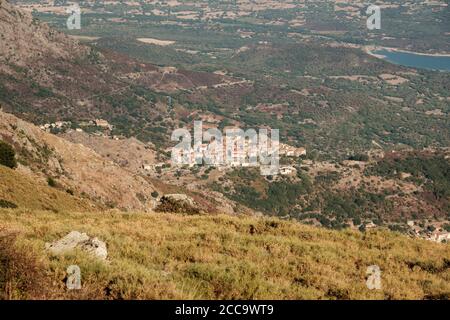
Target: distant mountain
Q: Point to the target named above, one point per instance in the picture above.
(47, 76)
(27, 41)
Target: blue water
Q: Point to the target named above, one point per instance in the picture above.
(415, 60)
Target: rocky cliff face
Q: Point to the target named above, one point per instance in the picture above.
(24, 40)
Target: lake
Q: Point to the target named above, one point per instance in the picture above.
(416, 60)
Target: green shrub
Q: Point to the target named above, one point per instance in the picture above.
(7, 204)
(359, 157)
(7, 155)
(51, 182)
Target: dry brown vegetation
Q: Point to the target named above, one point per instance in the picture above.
(26, 192)
(168, 256)
(74, 166)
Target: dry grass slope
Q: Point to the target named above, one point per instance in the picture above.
(168, 256)
(27, 192)
(75, 166)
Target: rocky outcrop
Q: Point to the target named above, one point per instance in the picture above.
(78, 240)
(26, 40)
(180, 198)
(177, 203)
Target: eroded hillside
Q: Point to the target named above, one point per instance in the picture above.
(75, 166)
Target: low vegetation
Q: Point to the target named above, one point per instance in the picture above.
(7, 204)
(21, 275)
(431, 170)
(173, 256)
(7, 155)
(19, 190)
(170, 205)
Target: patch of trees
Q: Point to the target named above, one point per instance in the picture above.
(433, 171)
(278, 198)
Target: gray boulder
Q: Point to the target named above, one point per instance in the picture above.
(177, 203)
(78, 240)
(180, 198)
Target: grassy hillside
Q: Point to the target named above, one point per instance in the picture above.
(25, 192)
(203, 257)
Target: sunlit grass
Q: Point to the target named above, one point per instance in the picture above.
(167, 256)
